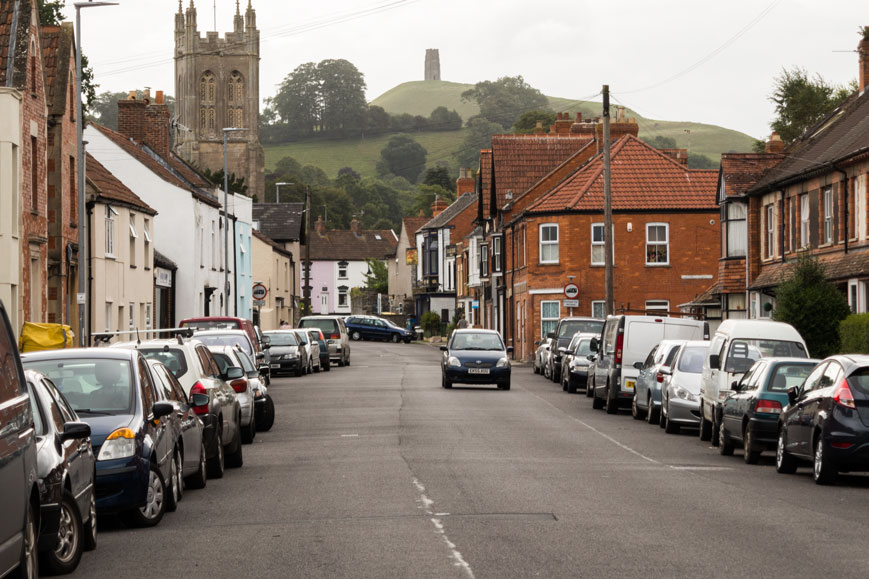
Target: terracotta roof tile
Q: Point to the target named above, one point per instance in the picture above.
(344, 244)
(451, 212)
(642, 179)
(21, 39)
(110, 188)
(412, 225)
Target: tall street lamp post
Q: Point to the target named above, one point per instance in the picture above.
(278, 191)
(226, 131)
(82, 297)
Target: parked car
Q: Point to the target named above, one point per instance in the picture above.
(564, 331)
(750, 413)
(305, 344)
(260, 348)
(19, 499)
(286, 353)
(575, 362)
(474, 356)
(540, 362)
(374, 328)
(592, 365)
(192, 439)
(68, 519)
(680, 392)
(647, 390)
(264, 407)
(193, 365)
(627, 340)
(228, 359)
(826, 421)
(113, 391)
(325, 361)
(336, 335)
(736, 346)
(314, 352)
(241, 339)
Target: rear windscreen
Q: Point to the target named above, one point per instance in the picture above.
(745, 352)
(174, 359)
(860, 380)
(571, 327)
(211, 325)
(328, 326)
(788, 375)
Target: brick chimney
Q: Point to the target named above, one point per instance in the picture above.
(863, 51)
(538, 130)
(580, 127)
(774, 144)
(562, 123)
(465, 183)
(678, 155)
(157, 125)
(438, 206)
(354, 227)
(131, 117)
(320, 225)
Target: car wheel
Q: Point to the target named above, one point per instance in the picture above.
(571, 384)
(446, 382)
(216, 464)
(589, 388)
(505, 385)
(705, 426)
(662, 419)
(610, 404)
(596, 402)
(317, 368)
(355, 336)
(198, 480)
(89, 537)
(65, 556)
(173, 491)
(751, 454)
(670, 427)
(249, 432)
(534, 367)
(268, 415)
(28, 563)
(652, 412)
(725, 445)
(155, 504)
(636, 412)
(235, 459)
(823, 472)
(716, 428)
(328, 366)
(347, 361)
(784, 462)
(546, 372)
(395, 338)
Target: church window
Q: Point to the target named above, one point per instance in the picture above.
(207, 102)
(235, 99)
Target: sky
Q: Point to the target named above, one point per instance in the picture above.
(699, 60)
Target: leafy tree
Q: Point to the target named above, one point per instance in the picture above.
(504, 100)
(660, 142)
(236, 184)
(442, 119)
(479, 137)
(425, 196)
(378, 120)
(439, 176)
(698, 161)
(377, 277)
(402, 156)
(349, 172)
(51, 14)
(298, 101)
(342, 91)
(527, 122)
(800, 101)
(758, 146)
(813, 306)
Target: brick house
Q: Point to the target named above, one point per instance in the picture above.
(402, 269)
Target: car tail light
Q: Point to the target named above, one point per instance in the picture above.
(620, 341)
(239, 385)
(322, 337)
(767, 407)
(841, 444)
(198, 388)
(660, 376)
(334, 336)
(842, 395)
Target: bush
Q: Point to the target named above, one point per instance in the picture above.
(854, 334)
(431, 324)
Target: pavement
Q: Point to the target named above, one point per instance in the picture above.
(375, 471)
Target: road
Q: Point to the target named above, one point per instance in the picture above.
(375, 471)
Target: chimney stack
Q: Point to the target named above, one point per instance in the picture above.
(538, 130)
(131, 117)
(563, 123)
(863, 51)
(354, 226)
(774, 144)
(678, 155)
(320, 225)
(438, 206)
(146, 122)
(465, 183)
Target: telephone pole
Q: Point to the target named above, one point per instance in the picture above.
(306, 291)
(607, 204)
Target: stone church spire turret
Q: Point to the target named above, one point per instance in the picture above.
(238, 21)
(250, 16)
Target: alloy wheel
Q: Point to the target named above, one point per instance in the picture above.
(67, 534)
(154, 502)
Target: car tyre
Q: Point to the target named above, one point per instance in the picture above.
(248, 433)
(198, 479)
(751, 453)
(268, 415)
(175, 488)
(670, 427)
(725, 445)
(504, 385)
(589, 388)
(89, 537)
(155, 504)
(705, 426)
(652, 412)
(716, 428)
(28, 564)
(355, 336)
(823, 471)
(571, 384)
(596, 402)
(396, 338)
(636, 412)
(235, 459)
(328, 366)
(534, 367)
(217, 463)
(662, 420)
(610, 405)
(65, 556)
(784, 462)
(446, 383)
(546, 372)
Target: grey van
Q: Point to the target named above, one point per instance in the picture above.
(335, 333)
(19, 499)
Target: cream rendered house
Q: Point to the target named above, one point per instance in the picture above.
(10, 193)
(273, 267)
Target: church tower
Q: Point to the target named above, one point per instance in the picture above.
(216, 87)
(432, 64)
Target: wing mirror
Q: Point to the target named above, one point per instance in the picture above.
(715, 361)
(563, 350)
(74, 430)
(443, 348)
(266, 342)
(537, 342)
(793, 394)
(161, 409)
(234, 373)
(592, 357)
(735, 386)
(509, 349)
(594, 346)
(261, 355)
(551, 335)
(638, 365)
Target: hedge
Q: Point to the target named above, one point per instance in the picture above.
(854, 334)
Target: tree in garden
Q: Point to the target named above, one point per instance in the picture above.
(439, 175)
(342, 93)
(402, 156)
(377, 277)
(479, 137)
(442, 119)
(813, 306)
(527, 122)
(502, 101)
(800, 101)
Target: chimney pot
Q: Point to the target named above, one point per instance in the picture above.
(863, 51)
(774, 144)
(158, 99)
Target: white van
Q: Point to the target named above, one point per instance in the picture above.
(627, 340)
(735, 347)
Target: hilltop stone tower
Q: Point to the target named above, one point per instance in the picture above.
(432, 64)
(217, 86)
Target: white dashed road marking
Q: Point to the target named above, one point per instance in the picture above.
(426, 505)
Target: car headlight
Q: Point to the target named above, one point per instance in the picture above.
(502, 363)
(685, 394)
(453, 361)
(119, 444)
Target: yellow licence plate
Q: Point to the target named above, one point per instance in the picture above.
(629, 384)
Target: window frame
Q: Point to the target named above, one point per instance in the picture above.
(484, 260)
(828, 216)
(805, 220)
(769, 221)
(549, 319)
(665, 243)
(731, 223)
(548, 242)
(601, 303)
(497, 254)
(110, 231)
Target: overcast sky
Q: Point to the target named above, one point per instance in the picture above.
(699, 60)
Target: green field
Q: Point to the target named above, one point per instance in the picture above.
(422, 97)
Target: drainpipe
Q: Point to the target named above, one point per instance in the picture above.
(781, 226)
(512, 313)
(90, 272)
(844, 199)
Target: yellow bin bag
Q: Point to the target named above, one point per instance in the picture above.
(36, 337)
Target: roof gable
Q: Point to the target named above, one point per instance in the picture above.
(455, 209)
(58, 67)
(110, 188)
(740, 171)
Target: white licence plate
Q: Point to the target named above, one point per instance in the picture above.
(629, 384)
(478, 370)
(276, 365)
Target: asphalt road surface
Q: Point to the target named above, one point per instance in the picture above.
(373, 470)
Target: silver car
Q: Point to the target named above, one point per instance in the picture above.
(540, 363)
(228, 357)
(680, 392)
(647, 391)
(314, 348)
(305, 344)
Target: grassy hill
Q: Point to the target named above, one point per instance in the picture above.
(422, 97)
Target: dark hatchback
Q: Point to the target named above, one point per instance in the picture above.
(373, 328)
(475, 357)
(113, 391)
(68, 521)
(750, 413)
(826, 420)
(563, 334)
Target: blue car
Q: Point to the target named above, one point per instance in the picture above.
(373, 328)
(475, 357)
(132, 432)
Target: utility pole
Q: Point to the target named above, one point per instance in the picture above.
(306, 291)
(607, 204)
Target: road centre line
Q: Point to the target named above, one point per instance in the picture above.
(426, 506)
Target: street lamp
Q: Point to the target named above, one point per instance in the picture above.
(82, 297)
(278, 191)
(226, 131)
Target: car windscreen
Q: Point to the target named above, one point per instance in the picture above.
(571, 327)
(211, 325)
(691, 360)
(91, 385)
(226, 340)
(787, 375)
(745, 352)
(474, 341)
(283, 339)
(328, 325)
(173, 359)
(583, 348)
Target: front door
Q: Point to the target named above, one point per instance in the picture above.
(324, 304)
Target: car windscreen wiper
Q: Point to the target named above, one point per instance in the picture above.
(91, 411)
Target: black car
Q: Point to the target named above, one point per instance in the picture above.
(563, 334)
(826, 420)
(287, 353)
(113, 391)
(374, 328)
(575, 362)
(475, 357)
(68, 519)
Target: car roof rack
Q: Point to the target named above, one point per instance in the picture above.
(177, 333)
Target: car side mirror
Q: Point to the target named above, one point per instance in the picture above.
(591, 357)
(714, 361)
(666, 371)
(594, 346)
(234, 373)
(638, 365)
(443, 348)
(199, 400)
(161, 409)
(793, 394)
(74, 430)
(563, 350)
(266, 342)
(735, 386)
(260, 356)
(509, 349)
(551, 335)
